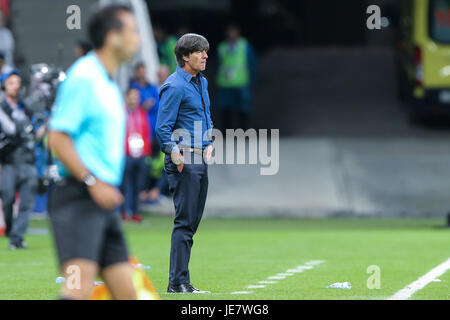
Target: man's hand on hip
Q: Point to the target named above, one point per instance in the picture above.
(178, 160)
(209, 149)
(105, 195)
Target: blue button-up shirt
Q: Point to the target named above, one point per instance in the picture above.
(181, 107)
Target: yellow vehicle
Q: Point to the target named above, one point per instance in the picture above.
(423, 57)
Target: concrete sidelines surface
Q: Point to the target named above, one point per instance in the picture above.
(339, 177)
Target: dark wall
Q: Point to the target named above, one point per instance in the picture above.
(302, 23)
(271, 24)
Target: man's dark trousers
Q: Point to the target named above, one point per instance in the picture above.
(21, 177)
(134, 179)
(189, 190)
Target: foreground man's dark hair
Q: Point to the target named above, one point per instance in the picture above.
(103, 21)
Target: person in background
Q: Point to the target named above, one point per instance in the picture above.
(160, 186)
(166, 46)
(6, 42)
(82, 48)
(137, 147)
(149, 99)
(2, 222)
(182, 30)
(160, 190)
(234, 76)
(2, 96)
(4, 69)
(163, 74)
(17, 159)
(42, 159)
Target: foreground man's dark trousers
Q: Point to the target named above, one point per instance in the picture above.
(189, 189)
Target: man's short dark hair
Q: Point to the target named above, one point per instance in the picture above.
(138, 65)
(85, 46)
(103, 21)
(233, 25)
(189, 43)
(131, 89)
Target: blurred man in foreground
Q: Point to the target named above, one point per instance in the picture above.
(87, 132)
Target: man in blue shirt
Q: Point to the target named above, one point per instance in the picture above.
(149, 96)
(184, 108)
(87, 132)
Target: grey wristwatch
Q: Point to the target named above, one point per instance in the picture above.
(89, 179)
(177, 161)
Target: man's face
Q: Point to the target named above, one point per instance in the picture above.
(12, 86)
(133, 98)
(197, 60)
(128, 40)
(232, 34)
(141, 73)
(158, 33)
(163, 74)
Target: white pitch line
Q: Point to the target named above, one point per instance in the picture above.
(304, 267)
(314, 262)
(295, 270)
(242, 292)
(258, 286)
(422, 282)
(280, 276)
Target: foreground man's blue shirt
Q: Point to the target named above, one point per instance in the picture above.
(180, 105)
(90, 108)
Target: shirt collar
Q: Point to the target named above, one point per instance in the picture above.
(186, 75)
(100, 65)
(19, 104)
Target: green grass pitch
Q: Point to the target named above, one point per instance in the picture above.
(231, 254)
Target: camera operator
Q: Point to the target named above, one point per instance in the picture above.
(18, 173)
(3, 70)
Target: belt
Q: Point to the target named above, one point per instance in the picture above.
(68, 179)
(198, 151)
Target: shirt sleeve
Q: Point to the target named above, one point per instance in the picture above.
(169, 104)
(156, 97)
(209, 119)
(6, 124)
(70, 107)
